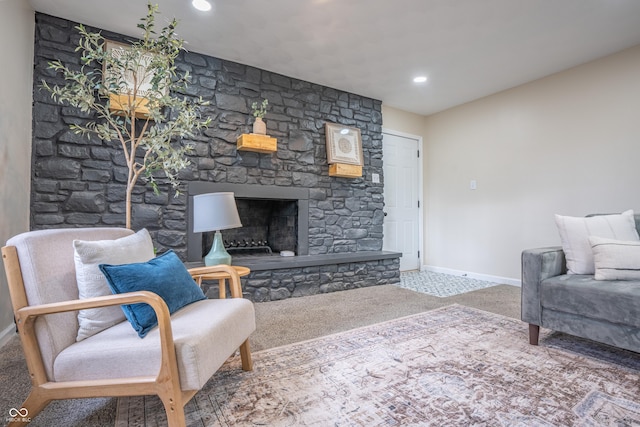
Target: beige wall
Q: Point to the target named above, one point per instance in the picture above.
(402, 121)
(16, 80)
(568, 144)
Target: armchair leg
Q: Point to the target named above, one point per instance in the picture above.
(534, 333)
(174, 410)
(245, 355)
(34, 404)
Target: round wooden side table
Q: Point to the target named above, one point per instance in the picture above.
(200, 273)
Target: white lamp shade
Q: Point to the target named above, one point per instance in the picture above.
(215, 211)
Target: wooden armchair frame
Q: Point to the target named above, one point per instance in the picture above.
(166, 384)
(236, 292)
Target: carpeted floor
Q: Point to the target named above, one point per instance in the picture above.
(453, 366)
(278, 323)
(298, 319)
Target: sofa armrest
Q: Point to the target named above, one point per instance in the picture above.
(537, 265)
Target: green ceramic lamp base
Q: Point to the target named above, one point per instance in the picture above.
(218, 254)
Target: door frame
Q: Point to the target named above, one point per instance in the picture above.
(421, 198)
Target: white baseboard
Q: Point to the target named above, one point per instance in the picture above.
(478, 276)
(7, 334)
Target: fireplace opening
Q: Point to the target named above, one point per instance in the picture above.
(274, 219)
(269, 226)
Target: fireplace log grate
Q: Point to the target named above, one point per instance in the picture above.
(256, 249)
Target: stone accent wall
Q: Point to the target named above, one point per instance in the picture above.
(80, 181)
(272, 285)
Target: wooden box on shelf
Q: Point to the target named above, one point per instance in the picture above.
(343, 170)
(257, 143)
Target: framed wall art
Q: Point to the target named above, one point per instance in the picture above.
(344, 144)
(120, 74)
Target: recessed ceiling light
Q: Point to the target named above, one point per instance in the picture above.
(420, 79)
(202, 5)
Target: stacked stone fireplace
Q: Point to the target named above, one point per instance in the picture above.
(333, 225)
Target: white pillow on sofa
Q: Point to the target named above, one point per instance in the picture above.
(88, 255)
(615, 259)
(575, 232)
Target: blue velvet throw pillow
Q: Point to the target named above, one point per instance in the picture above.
(164, 275)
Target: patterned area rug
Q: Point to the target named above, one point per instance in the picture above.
(454, 366)
(439, 284)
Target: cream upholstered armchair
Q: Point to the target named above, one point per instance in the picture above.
(173, 360)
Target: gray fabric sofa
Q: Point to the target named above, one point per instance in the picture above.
(601, 310)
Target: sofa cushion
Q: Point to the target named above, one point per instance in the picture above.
(575, 232)
(612, 301)
(88, 255)
(615, 259)
(164, 275)
(205, 334)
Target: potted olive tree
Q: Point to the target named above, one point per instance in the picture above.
(134, 91)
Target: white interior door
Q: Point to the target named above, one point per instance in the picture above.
(401, 166)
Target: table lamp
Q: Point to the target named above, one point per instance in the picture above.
(215, 212)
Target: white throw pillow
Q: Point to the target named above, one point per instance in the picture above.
(88, 255)
(615, 259)
(575, 232)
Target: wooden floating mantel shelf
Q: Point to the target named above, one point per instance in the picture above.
(342, 170)
(257, 143)
(120, 103)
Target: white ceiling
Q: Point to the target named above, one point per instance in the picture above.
(467, 48)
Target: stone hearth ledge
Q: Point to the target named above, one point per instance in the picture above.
(277, 262)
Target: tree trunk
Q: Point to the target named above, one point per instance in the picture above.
(128, 206)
